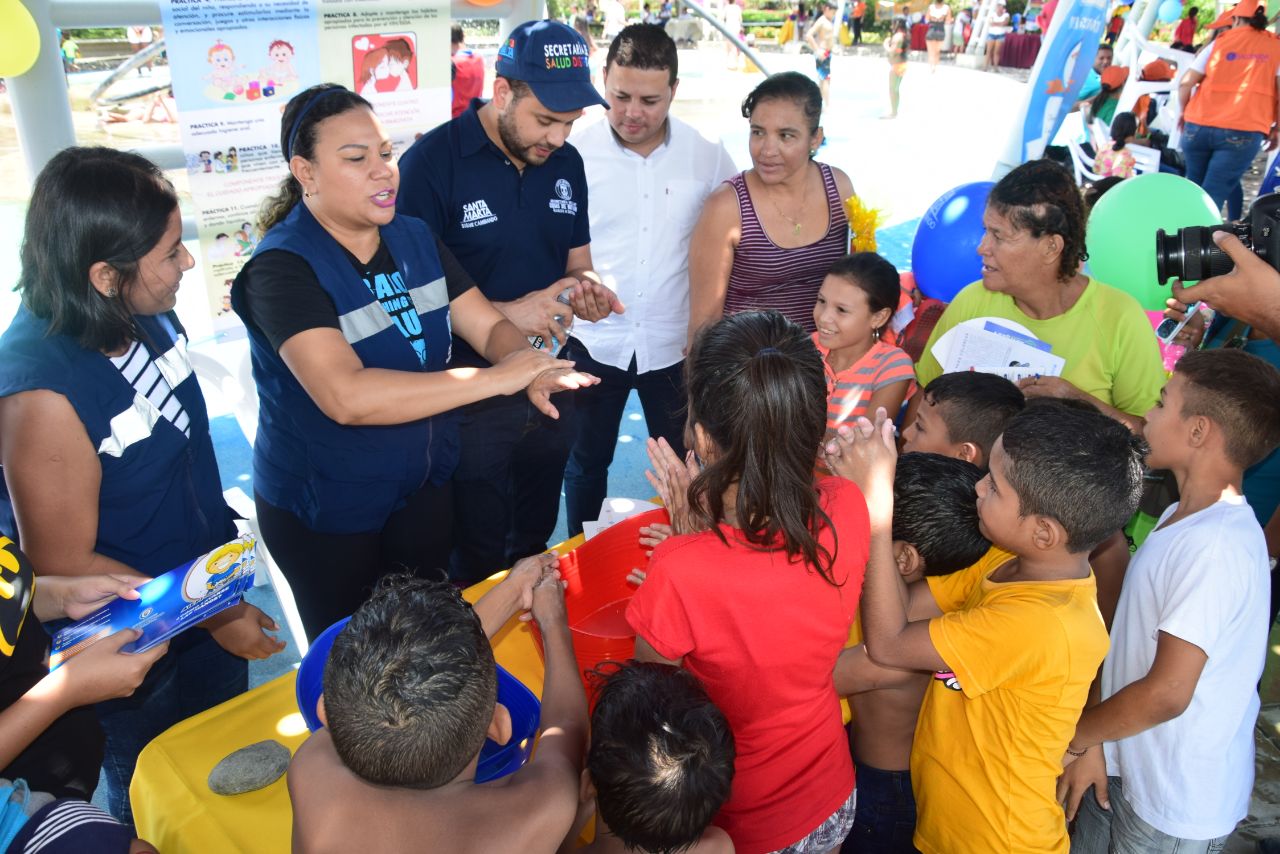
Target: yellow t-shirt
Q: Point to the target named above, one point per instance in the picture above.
(1105, 339)
(989, 744)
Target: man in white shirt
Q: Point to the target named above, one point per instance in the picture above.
(615, 18)
(648, 174)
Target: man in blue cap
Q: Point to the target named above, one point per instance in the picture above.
(508, 195)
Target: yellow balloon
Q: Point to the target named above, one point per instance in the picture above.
(19, 39)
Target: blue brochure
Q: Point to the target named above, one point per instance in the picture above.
(169, 604)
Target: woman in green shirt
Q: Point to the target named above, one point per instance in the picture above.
(1032, 252)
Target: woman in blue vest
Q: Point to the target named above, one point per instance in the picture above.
(104, 437)
(350, 311)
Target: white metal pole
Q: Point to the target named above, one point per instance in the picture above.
(41, 107)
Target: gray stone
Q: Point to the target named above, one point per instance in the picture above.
(250, 768)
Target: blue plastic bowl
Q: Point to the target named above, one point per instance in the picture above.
(496, 760)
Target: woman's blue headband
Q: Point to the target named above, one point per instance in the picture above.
(302, 114)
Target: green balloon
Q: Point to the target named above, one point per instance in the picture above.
(1122, 231)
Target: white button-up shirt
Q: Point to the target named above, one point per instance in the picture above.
(643, 210)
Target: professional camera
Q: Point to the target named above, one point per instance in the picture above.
(1191, 255)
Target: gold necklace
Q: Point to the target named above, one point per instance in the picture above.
(804, 198)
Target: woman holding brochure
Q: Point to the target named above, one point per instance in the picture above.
(1031, 255)
(350, 310)
(104, 437)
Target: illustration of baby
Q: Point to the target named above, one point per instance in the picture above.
(280, 69)
(223, 80)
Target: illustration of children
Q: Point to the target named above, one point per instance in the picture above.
(206, 161)
(372, 67)
(223, 80)
(224, 564)
(232, 160)
(280, 69)
(219, 165)
(399, 58)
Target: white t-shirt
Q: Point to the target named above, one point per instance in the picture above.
(615, 18)
(643, 210)
(1204, 580)
(733, 18)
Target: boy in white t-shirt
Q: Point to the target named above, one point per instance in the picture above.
(1169, 750)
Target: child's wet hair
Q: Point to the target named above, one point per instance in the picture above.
(1240, 393)
(975, 407)
(410, 685)
(935, 509)
(661, 755)
(1083, 469)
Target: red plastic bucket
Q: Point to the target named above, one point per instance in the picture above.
(597, 592)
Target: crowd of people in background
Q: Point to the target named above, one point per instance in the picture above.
(441, 342)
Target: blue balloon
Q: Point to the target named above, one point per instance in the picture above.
(944, 256)
(1169, 11)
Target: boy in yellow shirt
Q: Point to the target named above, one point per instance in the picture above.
(1014, 641)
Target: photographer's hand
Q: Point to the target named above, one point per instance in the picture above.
(1250, 292)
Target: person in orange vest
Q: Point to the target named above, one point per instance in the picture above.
(859, 10)
(468, 72)
(1234, 106)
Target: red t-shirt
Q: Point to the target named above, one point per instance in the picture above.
(763, 635)
(468, 79)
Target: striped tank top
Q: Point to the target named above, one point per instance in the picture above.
(765, 275)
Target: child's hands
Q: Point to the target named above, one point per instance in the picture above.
(103, 672)
(867, 454)
(240, 630)
(651, 535)
(1078, 774)
(548, 602)
(527, 573)
(670, 477)
(81, 596)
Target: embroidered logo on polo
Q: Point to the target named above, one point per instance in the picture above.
(571, 55)
(564, 204)
(477, 213)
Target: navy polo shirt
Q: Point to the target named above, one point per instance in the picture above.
(511, 231)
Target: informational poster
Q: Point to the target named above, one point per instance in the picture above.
(236, 64)
(1061, 67)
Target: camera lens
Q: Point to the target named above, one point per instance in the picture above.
(1190, 254)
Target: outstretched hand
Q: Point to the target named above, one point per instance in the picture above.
(867, 454)
(551, 381)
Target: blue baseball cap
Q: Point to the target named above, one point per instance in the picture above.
(552, 59)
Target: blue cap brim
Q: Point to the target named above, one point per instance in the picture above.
(567, 96)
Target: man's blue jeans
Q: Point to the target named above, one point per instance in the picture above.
(1218, 157)
(1120, 830)
(599, 413)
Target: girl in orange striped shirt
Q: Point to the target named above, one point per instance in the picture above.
(855, 305)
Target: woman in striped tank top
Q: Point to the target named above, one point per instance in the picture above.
(768, 236)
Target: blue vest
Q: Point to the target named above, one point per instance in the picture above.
(160, 502)
(336, 478)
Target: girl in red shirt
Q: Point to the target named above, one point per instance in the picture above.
(758, 595)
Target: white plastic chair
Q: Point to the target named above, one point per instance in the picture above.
(240, 392)
(1082, 163)
(1147, 159)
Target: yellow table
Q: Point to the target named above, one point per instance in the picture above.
(175, 810)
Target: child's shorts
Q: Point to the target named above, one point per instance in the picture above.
(830, 833)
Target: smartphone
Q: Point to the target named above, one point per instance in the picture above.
(1169, 328)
